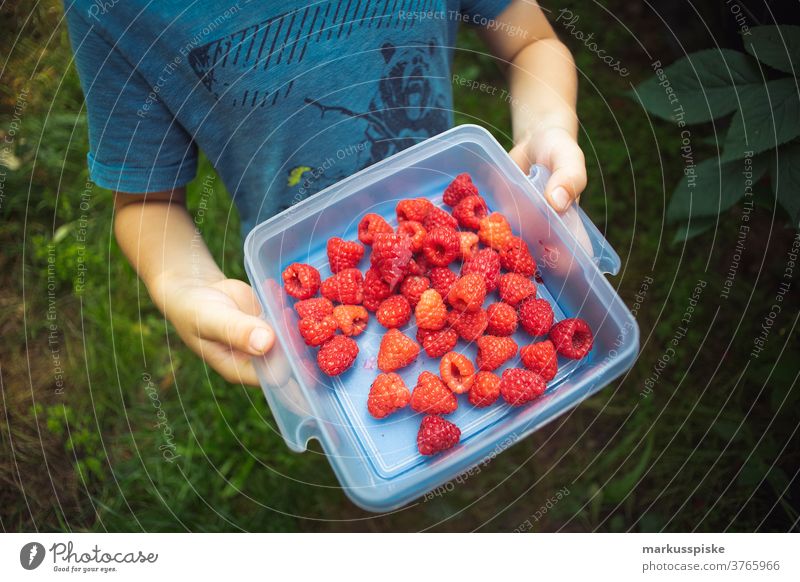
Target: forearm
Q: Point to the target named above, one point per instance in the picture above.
(543, 87)
(158, 236)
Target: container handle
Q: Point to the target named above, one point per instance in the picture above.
(580, 225)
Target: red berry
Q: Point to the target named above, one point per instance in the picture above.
(442, 280)
(494, 231)
(397, 351)
(436, 435)
(536, 316)
(519, 386)
(540, 357)
(316, 332)
(514, 288)
(469, 211)
(371, 226)
(391, 254)
(516, 258)
(394, 312)
(431, 312)
(418, 266)
(413, 287)
(469, 326)
(387, 394)
(485, 389)
(457, 372)
(430, 395)
(467, 293)
(494, 351)
(351, 319)
(441, 246)
(502, 319)
(413, 209)
(572, 338)
(301, 281)
(344, 287)
(413, 230)
(437, 343)
(459, 188)
(485, 263)
(438, 217)
(468, 245)
(315, 308)
(344, 254)
(337, 355)
(375, 289)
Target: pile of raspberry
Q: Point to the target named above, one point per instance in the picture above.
(410, 274)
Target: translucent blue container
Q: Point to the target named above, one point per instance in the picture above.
(377, 461)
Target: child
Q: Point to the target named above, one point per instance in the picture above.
(286, 98)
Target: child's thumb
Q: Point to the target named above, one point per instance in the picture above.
(242, 332)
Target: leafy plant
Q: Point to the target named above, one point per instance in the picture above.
(762, 136)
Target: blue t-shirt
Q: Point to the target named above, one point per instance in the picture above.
(285, 98)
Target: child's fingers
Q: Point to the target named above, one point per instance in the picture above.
(567, 178)
(231, 327)
(235, 367)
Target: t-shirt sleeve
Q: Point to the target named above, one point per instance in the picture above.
(136, 145)
(481, 11)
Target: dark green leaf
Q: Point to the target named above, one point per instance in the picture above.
(716, 187)
(776, 46)
(769, 115)
(703, 84)
(693, 228)
(785, 174)
(619, 487)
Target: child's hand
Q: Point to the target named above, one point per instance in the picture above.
(555, 148)
(219, 322)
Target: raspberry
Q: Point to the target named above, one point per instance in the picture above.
(437, 343)
(486, 263)
(436, 435)
(371, 226)
(494, 231)
(415, 231)
(469, 326)
(572, 338)
(441, 246)
(432, 396)
(459, 188)
(469, 212)
(438, 217)
(431, 312)
(442, 280)
(413, 287)
(391, 254)
(468, 245)
(397, 351)
(394, 312)
(536, 316)
(457, 372)
(417, 266)
(344, 254)
(315, 308)
(485, 389)
(519, 386)
(516, 258)
(494, 351)
(514, 288)
(375, 289)
(467, 293)
(316, 332)
(351, 319)
(502, 319)
(301, 281)
(337, 355)
(413, 209)
(387, 394)
(345, 287)
(540, 357)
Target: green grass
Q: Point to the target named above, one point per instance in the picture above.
(713, 446)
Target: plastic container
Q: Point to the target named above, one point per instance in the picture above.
(377, 461)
